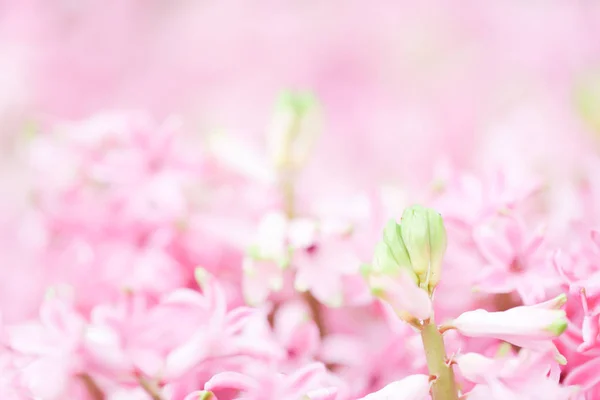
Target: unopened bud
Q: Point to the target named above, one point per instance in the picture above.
(424, 236)
(392, 237)
(520, 326)
(293, 130)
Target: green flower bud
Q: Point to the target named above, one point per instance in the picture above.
(392, 237)
(293, 130)
(424, 235)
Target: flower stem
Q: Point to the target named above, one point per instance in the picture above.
(444, 386)
(150, 387)
(289, 205)
(92, 387)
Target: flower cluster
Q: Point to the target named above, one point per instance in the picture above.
(159, 268)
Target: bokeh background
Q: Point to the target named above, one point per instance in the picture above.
(409, 89)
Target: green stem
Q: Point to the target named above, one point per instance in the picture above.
(150, 388)
(289, 205)
(444, 387)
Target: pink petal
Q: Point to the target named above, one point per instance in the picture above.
(534, 244)
(344, 349)
(201, 395)
(476, 368)
(323, 394)
(231, 380)
(586, 375)
(589, 330)
(595, 236)
(301, 379)
(237, 318)
(185, 297)
(494, 248)
(185, 357)
(413, 387)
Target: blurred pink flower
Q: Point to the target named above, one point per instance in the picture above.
(52, 348)
(267, 385)
(528, 376)
(514, 261)
(414, 387)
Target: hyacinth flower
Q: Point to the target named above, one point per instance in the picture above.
(307, 383)
(296, 332)
(407, 263)
(514, 261)
(266, 259)
(527, 376)
(532, 327)
(581, 276)
(414, 387)
(467, 200)
(51, 348)
(404, 273)
(135, 340)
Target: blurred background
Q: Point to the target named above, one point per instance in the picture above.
(432, 75)
(408, 89)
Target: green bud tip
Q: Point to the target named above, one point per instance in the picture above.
(205, 395)
(365, 270)
(560, 300)
(300, 102)
(503, 350)
(424, 236)
(558, 327)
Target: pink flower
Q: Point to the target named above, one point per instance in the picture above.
(467, 200)
(52, 347)
(267, 385)
(401, 293)
(528, 376)
(581, 276)
(514, 262)
(373, 355)
(267, 258)
(296, 332)
(326, 264)
(168, 339)
(531, 327)
(414, 387)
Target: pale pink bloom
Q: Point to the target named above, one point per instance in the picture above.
(326, 266)
(467, 200)
(585, 376)
(402, 294)
(322, 394)
(531, 327)
(296, 332)
(52, 347)
(371, 356)
(514, 261)
(12, 384)
(267, 257)
(167, 340)
(526, 377)
(270, 385)
(581, 276)
(413, 387)
(320, 253)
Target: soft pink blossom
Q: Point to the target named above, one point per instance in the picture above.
(414, 387)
